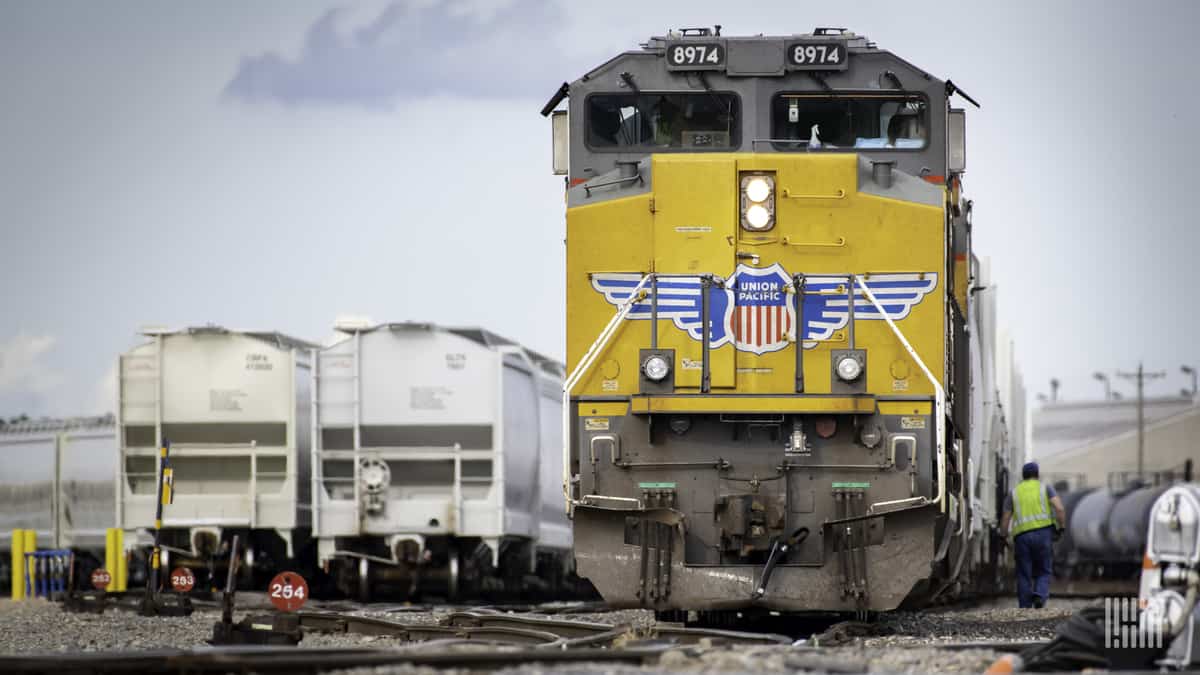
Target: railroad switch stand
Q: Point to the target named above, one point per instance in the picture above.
(279, 629)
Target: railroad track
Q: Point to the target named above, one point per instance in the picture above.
(477, 638)
(480, 638)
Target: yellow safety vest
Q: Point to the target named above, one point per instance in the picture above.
(1031, 508)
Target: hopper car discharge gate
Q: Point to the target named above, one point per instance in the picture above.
(761, 518)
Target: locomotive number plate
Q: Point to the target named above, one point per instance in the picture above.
(695, 56)
(824, 55)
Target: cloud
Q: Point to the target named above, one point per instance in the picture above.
(412, 50)
(104, 394)
(21, 368)
(27, 383)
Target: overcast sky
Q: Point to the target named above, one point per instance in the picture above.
(273, 165)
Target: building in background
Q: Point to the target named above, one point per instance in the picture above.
(1087, 442)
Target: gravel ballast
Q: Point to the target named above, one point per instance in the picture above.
(899, 642)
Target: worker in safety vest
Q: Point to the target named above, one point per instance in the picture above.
(1034, 530)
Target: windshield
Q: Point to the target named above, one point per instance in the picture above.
(700, 121)
(844, 121)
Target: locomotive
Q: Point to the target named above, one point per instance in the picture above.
(770, 295)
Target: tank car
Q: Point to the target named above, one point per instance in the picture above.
(235, 408)
(768, 292)
(1106, 532)
(439, 455)
(56, 479)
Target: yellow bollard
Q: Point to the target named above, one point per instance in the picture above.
(31, 547)
(122, 575)
(18, 564)
(110, 560)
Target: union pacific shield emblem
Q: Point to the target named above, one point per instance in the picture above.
(763, 316)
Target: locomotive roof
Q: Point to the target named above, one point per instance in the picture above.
(757, 55)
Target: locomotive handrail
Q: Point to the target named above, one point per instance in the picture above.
(581, 369)
(939, 407)
(627, 179)
(837, 242)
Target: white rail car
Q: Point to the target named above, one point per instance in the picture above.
(235, 408)
(440, 457)
(56, 479)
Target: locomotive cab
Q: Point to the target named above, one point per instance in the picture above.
(767, 299)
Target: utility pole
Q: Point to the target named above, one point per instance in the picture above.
(1141, 376)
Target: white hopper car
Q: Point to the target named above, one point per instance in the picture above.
(439, 458)
(56, 479)
(235, 408)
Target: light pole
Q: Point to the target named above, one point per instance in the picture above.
(1054, 383)
(1188, 370)
(1141, 376)
(1107, 385)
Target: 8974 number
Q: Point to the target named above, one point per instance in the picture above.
(816, 54)
(696, 54)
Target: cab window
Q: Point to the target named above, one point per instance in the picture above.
(691, 121)
(821, 121)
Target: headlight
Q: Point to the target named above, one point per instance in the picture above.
(758, 189)
(757, 217)
(757, 201)
(656, 368)
(848, 368)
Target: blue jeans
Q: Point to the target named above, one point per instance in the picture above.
(1034, 551)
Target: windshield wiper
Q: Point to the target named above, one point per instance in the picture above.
(952, 89)
(556, 99)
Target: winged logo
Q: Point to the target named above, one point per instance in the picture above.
(755, 310)
(826, 311)
(679, 299)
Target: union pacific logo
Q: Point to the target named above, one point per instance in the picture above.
(754, 311)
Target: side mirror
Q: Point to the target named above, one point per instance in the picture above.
(560, 131)
(956, 141)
